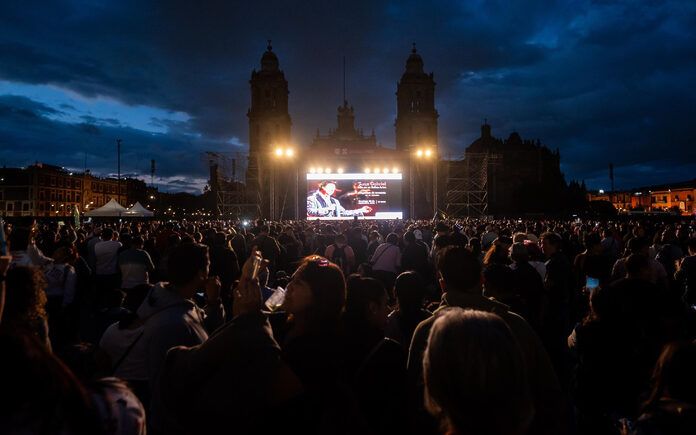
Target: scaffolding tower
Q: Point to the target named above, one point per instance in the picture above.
(467, 186)
(233, 199)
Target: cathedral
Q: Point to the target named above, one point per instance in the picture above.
(517, 170)
(272, 185)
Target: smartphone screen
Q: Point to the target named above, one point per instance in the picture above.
(592, 283)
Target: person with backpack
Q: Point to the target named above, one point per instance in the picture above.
(341, 254)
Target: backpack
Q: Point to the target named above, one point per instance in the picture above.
(339, 258)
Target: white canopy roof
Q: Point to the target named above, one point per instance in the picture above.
(138, 211)
(110, 209)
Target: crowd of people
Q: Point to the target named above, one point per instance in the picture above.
(499, 327)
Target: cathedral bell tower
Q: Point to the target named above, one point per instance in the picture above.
(269, 126)
(416, 119)
(416, 129)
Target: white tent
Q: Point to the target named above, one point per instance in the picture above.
(138, 211)
(110, 209)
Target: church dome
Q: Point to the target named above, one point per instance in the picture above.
(269, 61)
(414, 64)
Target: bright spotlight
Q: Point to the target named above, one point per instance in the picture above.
(289, 152)
(320, 171)
(419, 153)
(427, 153)
(376, 170)
(367, 170)
(312, 170)
(327, 170)
(385, 170)
(279, 152)
(339, 170)
(395, 171)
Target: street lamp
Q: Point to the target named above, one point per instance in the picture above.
(283, 153)
(423, 153)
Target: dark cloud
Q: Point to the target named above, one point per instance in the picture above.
(601, 80)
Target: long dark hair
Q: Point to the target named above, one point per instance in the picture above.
(674, 373)
(328, 287)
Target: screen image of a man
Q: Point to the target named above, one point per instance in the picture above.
(322, 203)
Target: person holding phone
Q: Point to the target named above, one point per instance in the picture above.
(172, 318)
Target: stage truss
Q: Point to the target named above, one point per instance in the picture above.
(233, 198)
(467, 186)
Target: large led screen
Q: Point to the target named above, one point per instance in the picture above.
(344, 196)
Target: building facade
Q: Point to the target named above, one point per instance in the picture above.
(676, 197)
(43, 190)
(523, 176)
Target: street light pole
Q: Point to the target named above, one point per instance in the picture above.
(118, 146)
(411, 185)
(272, 192)
(437, 162)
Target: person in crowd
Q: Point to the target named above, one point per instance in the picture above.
(22, 247)
(373, 243)
(474, 246)
(498, 284)
(39, 393)
(106, 252)
(136, 267)
(172, 243)
(529, 285)
(488, 394)
(269, 248)
(119, 409)
(615, 348)
(386, 262)
(671, 406)
(358, 244)
(61, 282)
(410, 295)
(341, 254)
(591, 263)
(460, 279)
(685, 276)
(291, 247)
(25, 304)
(415, 255)
(498, 252)
(173, 319)
(669, 253)
(557, 283)
(641, 246)
(375, 365)
(610, 246)
(224, 265)
(127, 353)
(238, 245)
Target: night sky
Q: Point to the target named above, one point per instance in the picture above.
(603, 81)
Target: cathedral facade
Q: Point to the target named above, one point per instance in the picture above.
(522, 176)
(275, 186)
